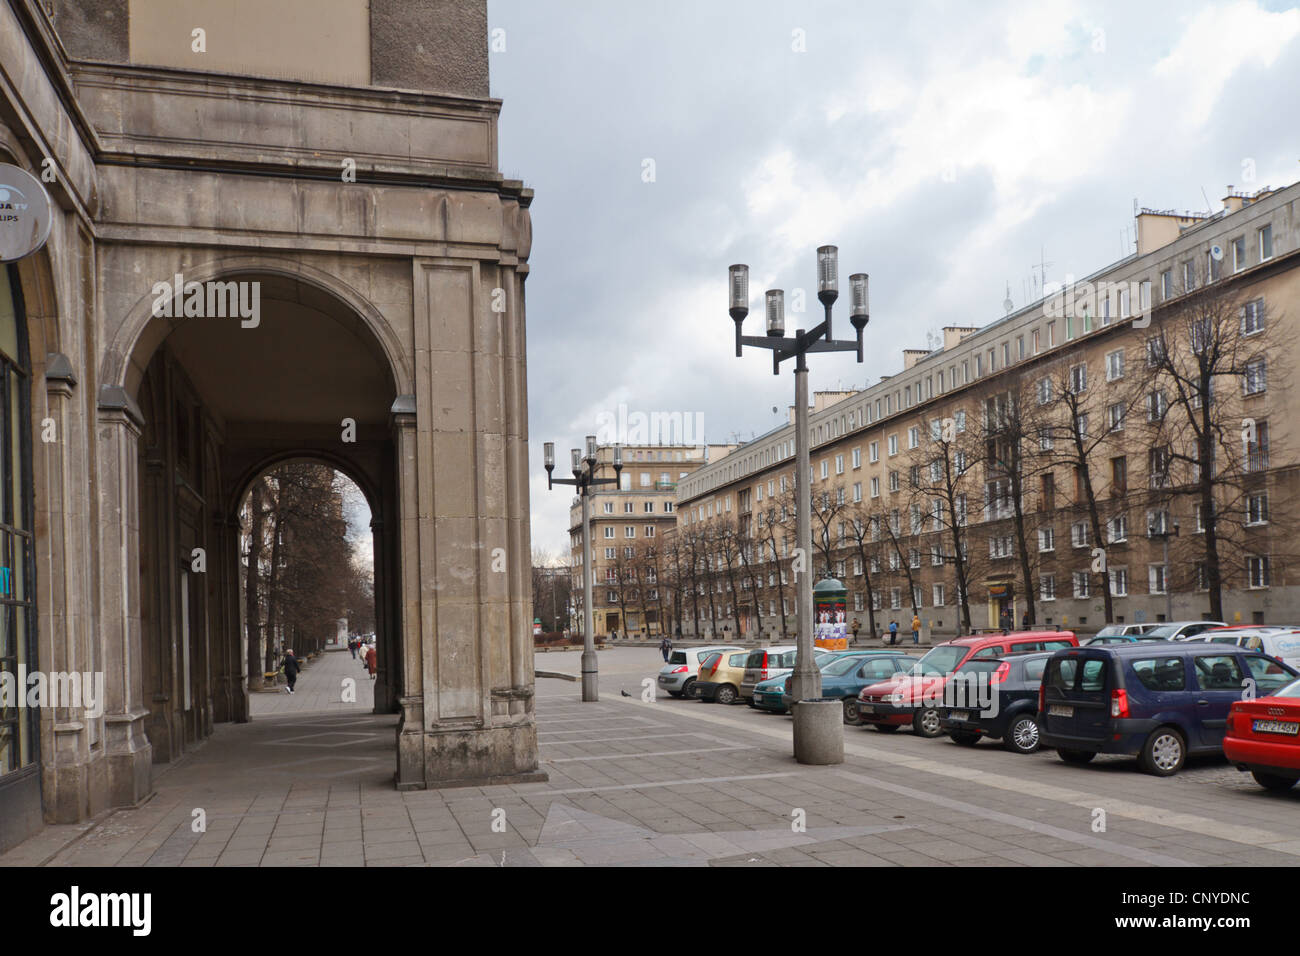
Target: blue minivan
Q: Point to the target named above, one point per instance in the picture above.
(1158, 700)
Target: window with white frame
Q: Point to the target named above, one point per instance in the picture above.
(1000, 546)
(1080, 582)
(609, 553)
(1115, 417)
(1155, 351)
(857, 491)
(1044, 391)
(857, 458)
(1254, 381)
(1114, 365)
(629, 531)
(914, 558)
(1045, 441)
(936, 590)
(913, 437)
(1046, 539)
(609, 531)
(1118, 581)
(1047, 587)
(1157, 578)
(1079, 534)
(1257, 508)
(875, 487)
(1078, 378)
(1265, 236)
(1238, 253)
(1257, 571)
(895, 598)
(1252, 317)
(1117, 529)
(839, 464)
(873, 452)
(893, 445)
(609, 507)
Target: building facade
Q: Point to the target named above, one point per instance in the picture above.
(1048, 466)
(633, 570)
(274, 239)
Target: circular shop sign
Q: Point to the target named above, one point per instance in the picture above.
(24, 213)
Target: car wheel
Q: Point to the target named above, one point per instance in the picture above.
(726, 694)
(689, 691)
(966, 740)
(1022, 736)
(926, 723)
(1076, 756)
(1164, 752)
(1271, 781)
(887, 728)
(852, 716)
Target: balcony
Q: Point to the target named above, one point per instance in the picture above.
(665, 486)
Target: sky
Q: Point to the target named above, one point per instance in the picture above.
(949, 150)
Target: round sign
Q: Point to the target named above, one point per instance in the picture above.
(24, 213)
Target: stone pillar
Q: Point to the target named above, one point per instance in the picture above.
(410, 728)
(129, 753)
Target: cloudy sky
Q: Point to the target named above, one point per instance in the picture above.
(945, 148)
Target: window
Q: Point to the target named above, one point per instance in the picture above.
(857, 491)
(1265, 235)
(1044, 391)
(1000, 546)
(893, 445)
(629, 531)
(1117, 529)
(609, 553)
(825, 470)
(609, 531)
(1213, 266)
(1189, 275)
(936, 556)
(1257, 508)
(960, 419)
(1238, 253)
(1046, 539)
(1115, 417)
(1119, 582)
(1080, 581)
(913, 437)
(1257, 571)
(1114, 365)
(937, 591)
(1020, 347)
(895, 598)
(1157, 405)
(914, 558)
(1078, 378)
(650, 505)
(893, 481)
(609, 507)
(1079, 534)
(875, 487)
(1157, 523)
(1047, 587)
(1257, 449)
(1253, 382)
(1252, 317)
(1166, 285)
(873, 452)
(1045, 442)
(857, 458)
(649, 531)
(645, 479)
(1155, 351)
(1156, 578)
(1048, 492)
(1119, 475)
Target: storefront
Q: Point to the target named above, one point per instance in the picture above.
(20, 779)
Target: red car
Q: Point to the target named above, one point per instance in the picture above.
(1263, 736)
(915, 697)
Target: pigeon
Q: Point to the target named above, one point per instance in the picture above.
(623, 692)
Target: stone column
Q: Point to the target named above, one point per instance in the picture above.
(127, 747)
(410, 728)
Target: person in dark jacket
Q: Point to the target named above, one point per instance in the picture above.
(665, 647)
(291, 668)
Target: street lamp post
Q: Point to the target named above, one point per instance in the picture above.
(805, 682)
(584, 479)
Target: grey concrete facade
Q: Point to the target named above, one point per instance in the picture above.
(395, 300)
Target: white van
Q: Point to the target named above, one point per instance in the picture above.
(1280, 643)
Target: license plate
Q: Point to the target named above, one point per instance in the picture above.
(958, 715)
(1060, 710)
(665, 680)
(1277, 727)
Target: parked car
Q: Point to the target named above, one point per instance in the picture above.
(1279, 642)
(768, 694)
(765, 662)
(1181, 630)
(1122, 630)
(721, 674)
(1160, 702)
(845, 678)
(1120, 639)
(1012, 712)
(912, 698)
(1263, 737)
(678, 676)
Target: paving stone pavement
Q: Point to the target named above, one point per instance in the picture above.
(668, 783)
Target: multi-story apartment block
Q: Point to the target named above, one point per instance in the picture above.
(631, 594)
(1120, 451)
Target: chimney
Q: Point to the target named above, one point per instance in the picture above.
(912, 356)
(952, 334)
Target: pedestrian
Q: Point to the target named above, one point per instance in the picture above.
(916, 629)
(893, 632)
(665, 646)
(1024, 620)
(1005, 620)
(857, 626)
(352, 646)
(371, 657)
(290, 666)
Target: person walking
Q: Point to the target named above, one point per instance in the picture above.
(290, 667)
(1005, 620)
(371, 657)
(352, 646)
(893, 632)
(857, 626)
(916, 629)
(665, 647)
(1024, 620)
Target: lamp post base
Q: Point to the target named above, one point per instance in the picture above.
(590, 676)
(819, 731)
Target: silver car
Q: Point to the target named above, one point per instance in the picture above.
(678, 676)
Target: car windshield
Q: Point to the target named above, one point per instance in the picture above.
(824, 658)
(1290, 690)
(1110, 630)
(840, 667)
(940, 661)
(1163, 632)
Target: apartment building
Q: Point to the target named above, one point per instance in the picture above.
(627, 528)
(1119, 451)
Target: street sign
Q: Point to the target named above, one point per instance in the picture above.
(24, 213)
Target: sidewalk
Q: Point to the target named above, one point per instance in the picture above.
(321, 688)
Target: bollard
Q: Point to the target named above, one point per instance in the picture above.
(819, 731)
